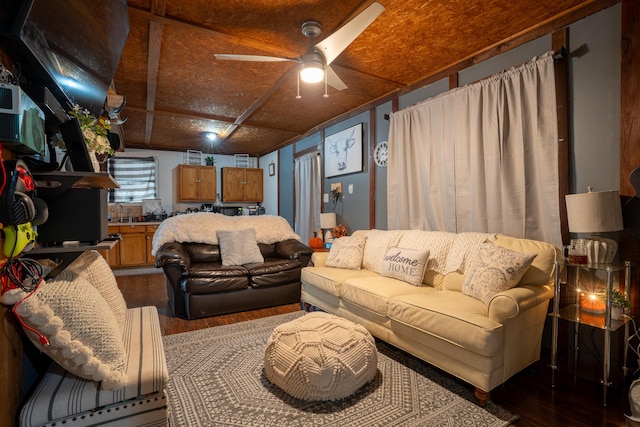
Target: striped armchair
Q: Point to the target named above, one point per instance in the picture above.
(108, 366)
(61, 398)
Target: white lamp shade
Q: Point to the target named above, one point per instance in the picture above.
(328, 220)
(594, 212)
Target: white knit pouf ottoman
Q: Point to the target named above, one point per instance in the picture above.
(320, 356)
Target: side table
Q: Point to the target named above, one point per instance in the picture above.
(578, 312)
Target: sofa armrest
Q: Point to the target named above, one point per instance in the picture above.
(319, 258)
(173, 253)
(294, 250)
(512, 302)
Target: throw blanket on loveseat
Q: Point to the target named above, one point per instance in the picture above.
(202, 227)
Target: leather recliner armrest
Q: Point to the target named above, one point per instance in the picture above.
(173, 253)
(294, 250)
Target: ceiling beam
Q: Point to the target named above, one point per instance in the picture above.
(153, 65)
(242, 41)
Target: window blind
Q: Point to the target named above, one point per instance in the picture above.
(136, 177)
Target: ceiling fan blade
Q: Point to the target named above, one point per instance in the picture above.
(333, 45)
(333, 80)
(255, 58)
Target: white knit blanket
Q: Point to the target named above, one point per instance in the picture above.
(201, 228)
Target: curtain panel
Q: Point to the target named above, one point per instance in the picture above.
(308, 197)
(481, 158)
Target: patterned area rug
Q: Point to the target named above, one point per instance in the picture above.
(216, 378)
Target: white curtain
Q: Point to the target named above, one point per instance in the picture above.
(483, 158)
(308, 196)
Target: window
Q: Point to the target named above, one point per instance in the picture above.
(136, 177)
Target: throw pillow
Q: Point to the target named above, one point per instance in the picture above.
(96, 270)
(405, 264)
(346, 252)
(378, 243)
(238, 247)
(495, 269)
(83, 334)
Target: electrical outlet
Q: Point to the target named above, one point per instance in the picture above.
(325, 198)
(350, 188)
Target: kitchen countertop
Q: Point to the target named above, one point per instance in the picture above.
(117, 224)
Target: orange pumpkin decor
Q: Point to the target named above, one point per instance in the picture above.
(315, 243)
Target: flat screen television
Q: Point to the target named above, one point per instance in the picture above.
(71, 47)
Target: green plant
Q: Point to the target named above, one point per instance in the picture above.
(619, 299)
(209, 160)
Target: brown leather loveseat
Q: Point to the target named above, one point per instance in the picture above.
(199, 285)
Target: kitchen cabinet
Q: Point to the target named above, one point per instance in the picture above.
(134, 249)
(196, 183)
(242, 185)
(151, 229)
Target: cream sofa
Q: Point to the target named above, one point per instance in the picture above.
(483, 343)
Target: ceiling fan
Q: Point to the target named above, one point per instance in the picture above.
(316, 61)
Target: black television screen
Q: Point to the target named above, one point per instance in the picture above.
(72, 47)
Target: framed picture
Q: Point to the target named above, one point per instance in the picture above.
(343, 152)
(272, 169)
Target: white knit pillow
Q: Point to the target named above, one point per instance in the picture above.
(346, 252)
(495, 269)
(378, 243)
(238, 247)
(82, 330)
(96, 270)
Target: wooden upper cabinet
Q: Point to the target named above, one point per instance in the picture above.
(196, 183)
(242, 185)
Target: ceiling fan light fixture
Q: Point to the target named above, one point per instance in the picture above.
(211, 136)
(312, 72)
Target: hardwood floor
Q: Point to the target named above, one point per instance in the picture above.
(528, 394)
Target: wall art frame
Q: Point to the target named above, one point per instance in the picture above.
(343, 152)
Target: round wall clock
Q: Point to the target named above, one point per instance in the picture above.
(381, 153)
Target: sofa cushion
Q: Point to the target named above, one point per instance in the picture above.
(346, 252)
(374, 293)
(82, 330)
(238, 247)
(202, 252)
(213, 270)
(376, 247)
(451, 316)
(208, 285)
(271, 266)
(495, 269)
(464, 249)
(438, 243)
(405, 264)
(329, 279)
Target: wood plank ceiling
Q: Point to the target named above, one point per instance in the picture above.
(176, 89)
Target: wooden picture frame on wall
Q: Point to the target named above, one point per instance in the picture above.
(343, 152)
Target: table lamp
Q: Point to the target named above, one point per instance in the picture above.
(328, 222)
(596, 212)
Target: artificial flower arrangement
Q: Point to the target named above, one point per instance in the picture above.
(94, 130)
